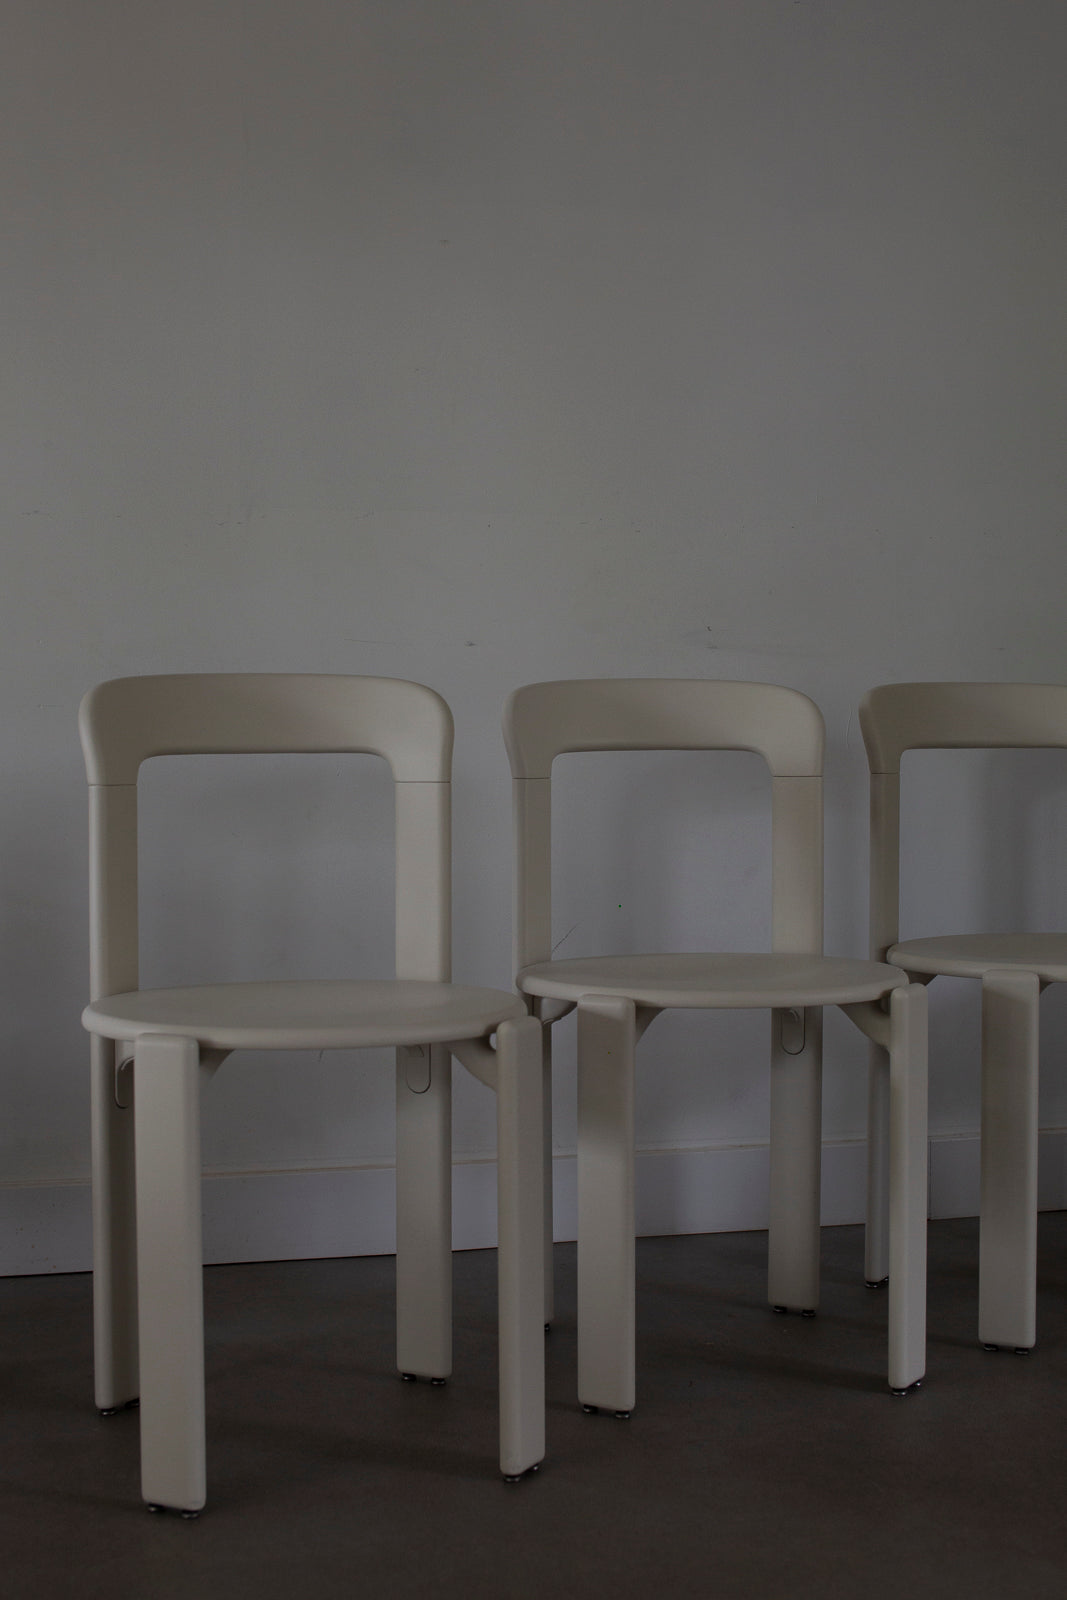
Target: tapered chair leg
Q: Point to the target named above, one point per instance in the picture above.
(876, 1237)
(795, 1156)
(520, 1259)
(114, 1234)
(1007, 1311)
(170, 1271)
(548, 1198)
(907, 1185)
(606, 1039)
(424, 1211)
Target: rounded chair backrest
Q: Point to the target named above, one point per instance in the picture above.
(960, 716)
(129, 720)
(545, 720)
(897, 717)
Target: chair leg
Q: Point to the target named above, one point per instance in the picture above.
(520, 1256)
(170, 1271)
(606, 1040)
(1007, 1311)
(876, 1239)
(549, 1234)
(796, 1155)
(424, 1211)
(907, 1185)
(114, 1237)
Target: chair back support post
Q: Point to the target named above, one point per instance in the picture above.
(884, 908)
(797, 866)
(113, 952)
(424, 881)
(532, 806)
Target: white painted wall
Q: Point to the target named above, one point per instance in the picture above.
(493, 342)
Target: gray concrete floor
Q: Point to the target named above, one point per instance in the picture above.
(765, 1457)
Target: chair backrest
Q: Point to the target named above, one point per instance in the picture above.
(128, 720)
(544, 720)
(940, 716)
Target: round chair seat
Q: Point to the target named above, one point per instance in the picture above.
(972, 955)
(714, 982)
(307, 1015)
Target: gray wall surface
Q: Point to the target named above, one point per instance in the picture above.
(491, 342)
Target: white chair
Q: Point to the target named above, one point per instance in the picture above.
(146, 1162)
(1013, 969)
(618, 996)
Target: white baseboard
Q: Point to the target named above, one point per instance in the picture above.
(348, 1211)
(954, 1173)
